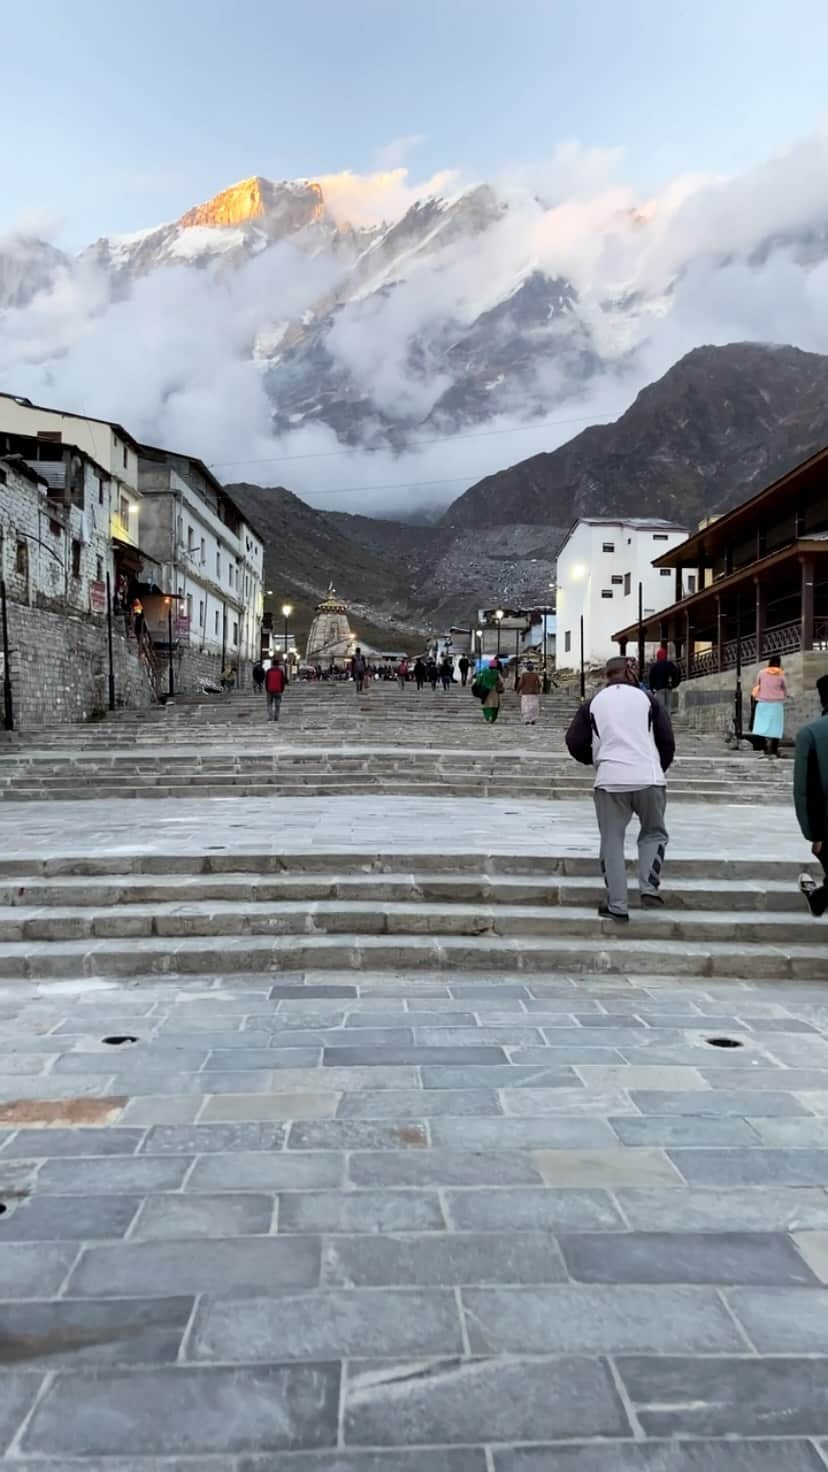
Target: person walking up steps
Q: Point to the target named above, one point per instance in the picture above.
(419, 673)
(811, 797)
(627, 736)
(529, 686)
(275, 682)
(770, 691)
(489, 687)
(463, 666)
(359, 669)
(664, 676)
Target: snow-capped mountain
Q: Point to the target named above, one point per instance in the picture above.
(489, 305)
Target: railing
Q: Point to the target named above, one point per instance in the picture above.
(780, 639)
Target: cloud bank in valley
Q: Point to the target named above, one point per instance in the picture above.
(706, 260)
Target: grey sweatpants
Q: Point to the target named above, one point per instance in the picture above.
(614, 810)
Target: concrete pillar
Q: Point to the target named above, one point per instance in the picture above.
(807, 636)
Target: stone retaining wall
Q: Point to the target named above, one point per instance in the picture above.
(60, 671)
(707, 704)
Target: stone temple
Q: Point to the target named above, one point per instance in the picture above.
(330, 640)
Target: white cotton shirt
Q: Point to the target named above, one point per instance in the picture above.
(624, 752)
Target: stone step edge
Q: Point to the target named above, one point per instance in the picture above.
(266, 956)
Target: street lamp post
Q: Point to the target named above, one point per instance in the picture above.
(8, 703)
(171, 677)
(499, 622)
(287, 610)
(583, 677)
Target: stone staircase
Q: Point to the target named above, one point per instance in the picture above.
(330, 741)
(211, 915)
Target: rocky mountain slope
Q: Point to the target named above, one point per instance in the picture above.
(722, 422)
(719, 425)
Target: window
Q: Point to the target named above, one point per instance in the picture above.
(100, 490)
(606, 592)
(126, 458)
(21, 559)
(567, 641)
(665, 571)
(190, 607)
(76, 559)
(201, 613)
(123, 510)
(235, 633)
(627, 584)
(218, 565)
(217, 621)
(99, 572)
(55, 527)
(54, 436)
(617, 578)
(607, 546)
(661, 537)
(190, 539)
(691, 582)
(203, 551)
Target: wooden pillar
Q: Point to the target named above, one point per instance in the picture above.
(719, 634)
(761, 616)
(678, 584)
(807, 636)
(688, 640)
(622, 646)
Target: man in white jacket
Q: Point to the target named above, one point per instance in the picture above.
(628, 738)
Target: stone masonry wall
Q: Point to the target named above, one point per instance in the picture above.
(707, 704)
(59, 667)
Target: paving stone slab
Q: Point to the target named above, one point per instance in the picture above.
(685, 1257)
(69, 1218)
(165, 1217)
(727, 1396)
(588, 1320)
(263, 1170)
(747, 1210)
(360, 1211)
(187, 1410)
(33, 1144)
(531, 1102)
(796, 1133)
(664, 1456)
(448, 1258)
(231, 1108)
(613, 1166)
(687, 1129)
(70, 1334)
(239, 1266)
(814, 1249)
(522, 1134)
(724, 1101)
(358, 1134)
(284, 991)
(34, 1269)
(17, 1396)
(470, 1401)
(337, 1324)
(418, 1103)
(444, 1167)
(640, 1076)
(162, 1109)
(782, 1320)
(535, 1208)
(798, 1080)
(118, 1174)
(445, 1459)
(752, 1167)
(205, 1139)
(361, 1056)
(548, 1075)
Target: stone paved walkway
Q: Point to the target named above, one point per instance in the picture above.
(390, 1223)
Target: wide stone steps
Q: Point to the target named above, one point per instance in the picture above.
(43, 897)
(261, 913)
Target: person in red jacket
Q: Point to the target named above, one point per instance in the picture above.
(275, 682)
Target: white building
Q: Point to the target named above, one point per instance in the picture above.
(600, 568)
(211, 559)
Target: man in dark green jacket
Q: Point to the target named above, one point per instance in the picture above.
(811, 797)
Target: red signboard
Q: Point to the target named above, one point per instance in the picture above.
(97, 597)
(182, 623)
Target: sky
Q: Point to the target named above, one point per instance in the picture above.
(646, 151)
(123, 116)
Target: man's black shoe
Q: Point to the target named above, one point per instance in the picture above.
(652, 902)
(607, 914)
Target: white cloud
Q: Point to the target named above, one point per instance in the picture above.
(706, 259)
(395, 152)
